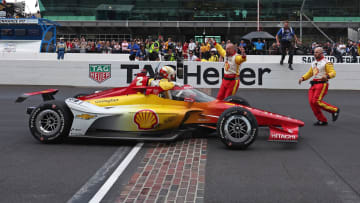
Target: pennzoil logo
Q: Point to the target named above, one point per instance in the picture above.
(85, 116)
(99, 72)
(146, 119)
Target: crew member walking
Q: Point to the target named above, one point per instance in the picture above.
(231, 81)
(322, 71)
(286, 34)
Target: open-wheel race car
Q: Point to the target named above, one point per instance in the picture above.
(142, 112)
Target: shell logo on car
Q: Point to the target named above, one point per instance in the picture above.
(146, 119)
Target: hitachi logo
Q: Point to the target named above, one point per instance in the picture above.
(283, 137)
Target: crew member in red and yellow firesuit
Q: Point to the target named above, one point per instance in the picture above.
(230, 82)
(322, 71)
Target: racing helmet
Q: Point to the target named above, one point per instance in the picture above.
(167, 72)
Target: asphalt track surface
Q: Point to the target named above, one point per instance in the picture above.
(323, 167)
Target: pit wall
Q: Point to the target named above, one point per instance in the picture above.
(114, 70)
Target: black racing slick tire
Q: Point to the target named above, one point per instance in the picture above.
(51, 121)
(237, 128)
(237, 100)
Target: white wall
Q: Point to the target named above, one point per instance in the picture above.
(204, 74)
(20, 46)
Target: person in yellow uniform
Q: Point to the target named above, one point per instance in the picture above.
(233, 61)
(165, 80)
(321, 70)
(213, 56)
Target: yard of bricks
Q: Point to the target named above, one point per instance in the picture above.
(169, 172)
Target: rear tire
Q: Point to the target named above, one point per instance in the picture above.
(50, 122)
(237, 100)
(237, 128)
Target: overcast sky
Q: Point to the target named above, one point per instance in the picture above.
(29, 5)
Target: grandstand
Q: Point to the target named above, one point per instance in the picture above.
(182, 19)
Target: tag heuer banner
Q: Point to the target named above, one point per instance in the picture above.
(99, 72)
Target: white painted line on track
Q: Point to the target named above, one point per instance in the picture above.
(115, 175)
(85, 193)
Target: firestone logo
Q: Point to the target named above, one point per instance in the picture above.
(99, 72)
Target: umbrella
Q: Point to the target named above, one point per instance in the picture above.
(258, 34)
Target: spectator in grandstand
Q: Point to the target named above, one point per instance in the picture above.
(348, 47)
(223, 45)
(124, 47)
(192, 45)
(170, 55)
(168, 44)
(61, 49)
(117, 48)
(313, 46)
(107, 47)
(197, 50)
(204, 51)
(242, 44)
(327, 48)
(192, 57)
(259, 47)
(178, 49)
(38, 15)
(353, 52)
(133, 47)
(69, 45)
(83, 45)
(99, 47)
(274, 49)
(141, 54)
(341, 48)
(335, 52)
(185, 49)
(284, 39)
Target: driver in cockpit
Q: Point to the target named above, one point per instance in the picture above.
(165, 80)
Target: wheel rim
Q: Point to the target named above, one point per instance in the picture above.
(237, 128)
(48, 122)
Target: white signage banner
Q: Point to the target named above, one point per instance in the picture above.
(19, 21)
(197, 74)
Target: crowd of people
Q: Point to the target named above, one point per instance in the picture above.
(148, 49)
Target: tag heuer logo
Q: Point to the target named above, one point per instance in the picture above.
(99, 72)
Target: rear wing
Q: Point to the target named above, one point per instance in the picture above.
(46, 95)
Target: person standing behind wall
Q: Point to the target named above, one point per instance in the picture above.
(61, 49)
(154, 51)
(287, 35)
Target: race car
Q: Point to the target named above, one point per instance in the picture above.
(141, 112)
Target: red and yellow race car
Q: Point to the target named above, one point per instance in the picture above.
(141, 112)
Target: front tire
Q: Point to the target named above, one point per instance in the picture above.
(50, 122)
(237, 128)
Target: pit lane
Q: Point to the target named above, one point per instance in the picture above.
(322, 167)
